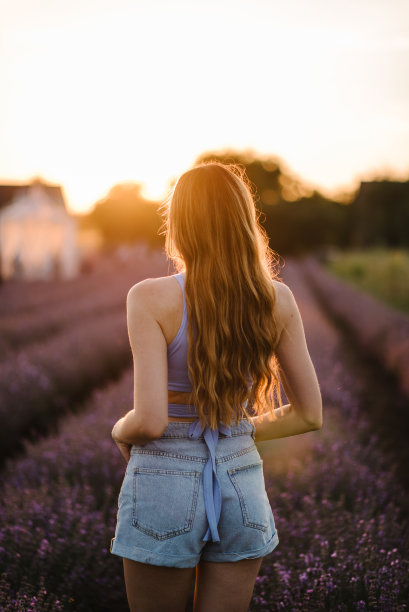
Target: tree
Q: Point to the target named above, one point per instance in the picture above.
(124, 216)
(296, 220)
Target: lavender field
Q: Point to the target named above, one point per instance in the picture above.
(67, 343)
(338, 494)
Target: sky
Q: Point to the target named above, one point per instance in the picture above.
(97, 92)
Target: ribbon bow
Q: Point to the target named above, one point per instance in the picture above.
(211, 484)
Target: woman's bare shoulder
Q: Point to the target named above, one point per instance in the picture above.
(158, 299)
(151, 287)
(285, 307)
(154, 294)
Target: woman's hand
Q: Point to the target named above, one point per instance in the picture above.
(124, 447)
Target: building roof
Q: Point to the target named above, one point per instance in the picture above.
(386, 185)
(9, 192)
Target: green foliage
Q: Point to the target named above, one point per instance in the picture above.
(380, 214)
(124, 216)
(295, 220)
(265, 175)
(383, 273)
(309, 223)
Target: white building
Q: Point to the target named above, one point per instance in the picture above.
(38, 237)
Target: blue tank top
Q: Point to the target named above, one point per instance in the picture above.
(178, 377)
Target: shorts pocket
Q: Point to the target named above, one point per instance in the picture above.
(248, 481)
(164, 501)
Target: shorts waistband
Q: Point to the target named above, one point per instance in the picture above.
(180, 429)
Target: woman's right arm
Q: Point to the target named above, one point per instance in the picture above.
(297, 374)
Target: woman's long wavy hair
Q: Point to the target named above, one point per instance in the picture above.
(212, 232)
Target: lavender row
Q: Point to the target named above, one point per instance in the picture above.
(341, 511)
(379, 330)
(58, 511)
(89, 297)
(27, 295)
(342, 517)
(20, 296)
(44, 381)
(20, 329)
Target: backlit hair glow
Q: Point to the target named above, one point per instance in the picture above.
(212, 233)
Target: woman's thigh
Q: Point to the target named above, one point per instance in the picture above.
(219, 587)
(150, 588)
(225, 587)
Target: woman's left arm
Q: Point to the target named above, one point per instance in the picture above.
(149, 417)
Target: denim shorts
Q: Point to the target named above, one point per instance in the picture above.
(161, 517)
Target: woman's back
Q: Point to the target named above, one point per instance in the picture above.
(165, 299)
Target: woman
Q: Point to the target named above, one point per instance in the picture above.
(209, 345)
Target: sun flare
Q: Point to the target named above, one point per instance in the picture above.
(96, 99)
